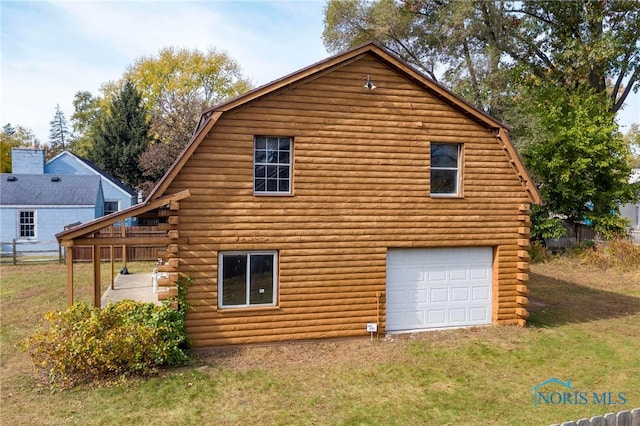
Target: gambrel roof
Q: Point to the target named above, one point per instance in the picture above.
(211, 116)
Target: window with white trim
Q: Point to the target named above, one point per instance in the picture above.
(272, 165)
(247, 279)
(27, 224)
(111, 207)
(445, 169)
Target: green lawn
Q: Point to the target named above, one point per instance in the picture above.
(584, 326)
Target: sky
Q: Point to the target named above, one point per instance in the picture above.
(50, 50)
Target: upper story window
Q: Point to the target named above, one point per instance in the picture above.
(272, 165)
(110, 207)
(445, 169)
(27, 224)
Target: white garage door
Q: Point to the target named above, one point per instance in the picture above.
(438, 287)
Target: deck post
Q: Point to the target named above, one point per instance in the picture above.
(96, 276)
(124, 247)
(111, 255)
(69, 257)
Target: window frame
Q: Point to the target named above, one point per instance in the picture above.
(104, 205)
(34, 225)
(457, 169)
(248, 254)
(278, 165)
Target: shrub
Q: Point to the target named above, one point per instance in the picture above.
(618, 254)
(579, 249)
(83, 344)
(539, 253)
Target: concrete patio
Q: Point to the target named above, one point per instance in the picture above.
(136, 286)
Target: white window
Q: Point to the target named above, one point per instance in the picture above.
(272, 165)
(445, 169)
(27, 224)
(110, 207)
(247, 279)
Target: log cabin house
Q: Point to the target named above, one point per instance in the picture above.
(355, 191)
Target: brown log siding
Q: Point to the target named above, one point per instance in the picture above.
(360, 186)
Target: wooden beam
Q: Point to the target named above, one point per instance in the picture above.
(111, 256)
(124, 247)
(96, 276)
(130, 241)
(69, 254)
(97, 224)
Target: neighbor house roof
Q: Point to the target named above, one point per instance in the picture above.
(319, 69)
(48, 190)
(97, 170)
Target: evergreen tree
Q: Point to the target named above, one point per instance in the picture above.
(122, 136)
(59, 135)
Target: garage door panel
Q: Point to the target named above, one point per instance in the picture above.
(396, 298)
(480, 315)
(435, 288)
(460, 294)
(481, 293)
(436, 317)
(457, 315)
(439, 295)
(478, 272)
(435, 274)
(414, 318)
(458, 274)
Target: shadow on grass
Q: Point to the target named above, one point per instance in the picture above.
(554, 302)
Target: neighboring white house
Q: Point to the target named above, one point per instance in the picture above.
(632, 211)
(34, 208)
(38, 199)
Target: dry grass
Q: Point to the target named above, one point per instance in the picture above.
(585, 324)
(620, 255)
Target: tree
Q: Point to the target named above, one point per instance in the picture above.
(581, 166)
(457, 42)
(122, 136)
(581, 43)
(13, 137)
(511, 59)
(574, 43)
(175, 86)
(87, 113)
(59, 135)
(178, 84)
(632, 138)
